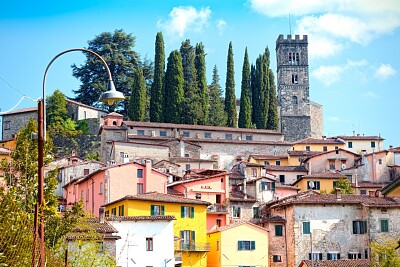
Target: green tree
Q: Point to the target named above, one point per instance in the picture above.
(192, 112)
(273, 117)
(156, 99)
(230, 98)
(137, 101)
(245, 102)
(344, 185)
(200, 65)
(173, 99)
(384, 252)
(253, 94)
(216, 114)
(117, 50)
(261, 91)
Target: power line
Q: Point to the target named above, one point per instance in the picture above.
(12, 87)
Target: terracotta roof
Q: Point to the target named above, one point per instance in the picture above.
(172, 191)
(370, 185)
(164, 160)
(22, 110)
(183, 159)
(250, 181)
(335, 263)
(279, 185)
(264, 156)
(236, 175)
(250, 164)
(159, 197)
(202, 175)
(331, 152)
(198, 127)
(142, 218)
(138, 143)
(303, 153)
(358, 137)
(285, 168)
(85, 225)
(239, 196)
(233, 225)
(323, 175)
(319, 141)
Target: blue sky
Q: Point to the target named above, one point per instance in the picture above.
(354, 47)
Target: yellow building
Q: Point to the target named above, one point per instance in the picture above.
(8, 143)
(190, 227)
(238, 244)
(322, 145)
(319, 182)
(392, 189)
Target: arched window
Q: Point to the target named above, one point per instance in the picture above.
(294, 100)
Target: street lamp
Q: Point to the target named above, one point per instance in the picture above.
(109, 97)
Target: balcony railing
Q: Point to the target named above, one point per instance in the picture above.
(217, 208)
(192, 246)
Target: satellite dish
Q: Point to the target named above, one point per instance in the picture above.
(311, 184)
(343, 166)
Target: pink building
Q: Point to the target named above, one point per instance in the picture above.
(211, 186)
(114, 182)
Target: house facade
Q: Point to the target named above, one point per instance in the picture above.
(358, 143)
(318, 144)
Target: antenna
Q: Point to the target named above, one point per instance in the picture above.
(290, 26)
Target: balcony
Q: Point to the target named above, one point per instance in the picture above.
(217, 209)
(192, 246)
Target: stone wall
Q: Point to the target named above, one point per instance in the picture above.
(317, 120)
(12, 123)
(296, 127)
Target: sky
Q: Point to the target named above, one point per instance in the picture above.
(354, 48)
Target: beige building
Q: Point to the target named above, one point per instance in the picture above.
(359, 143)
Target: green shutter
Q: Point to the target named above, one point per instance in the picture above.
(240, 245)
(193, 236)
(252, 245)
(162, 210)
(273, 186)
(306, 228)
(192, 212)
(152, 210)
(182, 211)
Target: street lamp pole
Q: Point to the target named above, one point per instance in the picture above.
(109, 97)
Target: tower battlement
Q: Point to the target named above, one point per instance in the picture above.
(281, 39)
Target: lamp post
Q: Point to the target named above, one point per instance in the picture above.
(109, 97)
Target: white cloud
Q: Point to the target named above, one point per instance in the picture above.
(384, 71)
(370, 94)
(334, 119)
(185, 19)
(221, 26)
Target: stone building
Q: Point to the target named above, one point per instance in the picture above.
(300, 117)
(15, 120)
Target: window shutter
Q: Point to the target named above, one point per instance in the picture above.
(182, 211)
(329, 256)
(338, 256)
(309, 256)
(359, 255)
(252, 245)
(273, 186)
(162, 210)
(240, 245)
(182, 235)
(320, 256)
(152, 210)
(193, 236)
(192, 212)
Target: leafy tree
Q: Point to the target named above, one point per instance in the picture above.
(216, 114)
(192, 112)
(173, 98)
(117, 50)
(137, 101)
(384, 252)
(273, 117)
(245, 102)
(156, 99)
(230, 98)
(200, 64)
(344, 185)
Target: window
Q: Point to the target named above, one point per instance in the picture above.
(331, 164)
(278, 230)
(324, 148)
(315, 256)
(306, 228)
(249, 137)
(246, 245)
(187, 167)
(307, 148)
(294, 78)
(187, 155)
(163, 133)
(380, 161)
(315, 185)
(149, 244)
(157, 210)
(333, 256)
(372, 143)
(228, 136)
(186, 134)
(198, 195)
(139, 173)
(114, 211)
(363, 192)
(187, 212)
(85, 171)
(354, 255)
(255, 212)
(140, 188)
(282, 178)
(334, 184)
(264, 186)
(140, 132)
(266, 163)
(236, 212)
(218, 222)
(107, 213)
(217, 246)
(350, 144)
(207, 135)
(278, 163)
(276, 258)
(254, 172)
(384, 225)
(121, 210)
(188, 239)
(6, 125)
(101, 188)
(294, 100)
(359, 227)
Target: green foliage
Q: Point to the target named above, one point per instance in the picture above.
(156, 99)
(86, 253)
(344, 185)
(273, 117)
(260, 92)
(83, 127)
(216, 114)
(200, 64)
(173, 99)
(56, 108)
(137, 101)
(384, 252)
(245, 102)
(92, 156)
(230, 98)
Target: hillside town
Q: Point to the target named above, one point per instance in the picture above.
(170, 194)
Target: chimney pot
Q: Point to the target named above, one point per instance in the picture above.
(101, 214)
(338, 193)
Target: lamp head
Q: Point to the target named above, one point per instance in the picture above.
(111, 96)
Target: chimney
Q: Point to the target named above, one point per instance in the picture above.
(101, 214)
(182, 147)
(338, 194)
(324, 137)
(148, 168)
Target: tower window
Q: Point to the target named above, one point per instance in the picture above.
(295, 79)
(297, 58)
(294, 100)
(290, 58)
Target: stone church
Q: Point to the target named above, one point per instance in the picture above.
(299, 117)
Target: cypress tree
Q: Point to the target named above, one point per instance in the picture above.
(156, 99)
(200, 65)
(245, 104)
(253, 93)
(261, 91)
(173, 97)
(216, 115)
(230, 98)
(137, 101)
(192, 112)
(273, 117)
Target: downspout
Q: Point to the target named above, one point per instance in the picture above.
(286, 247)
